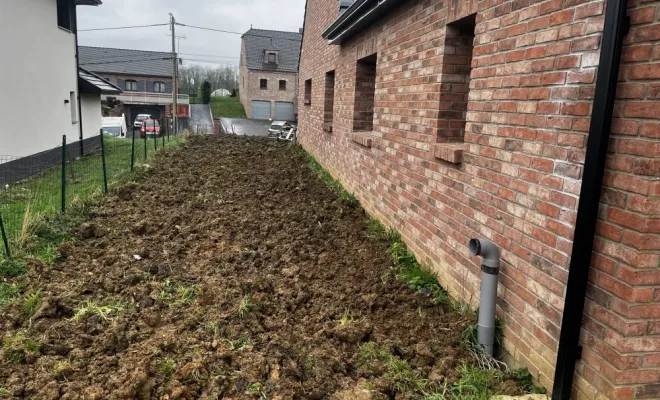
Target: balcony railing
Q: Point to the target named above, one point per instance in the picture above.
(149, 98)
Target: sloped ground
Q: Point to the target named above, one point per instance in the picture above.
(231, 272)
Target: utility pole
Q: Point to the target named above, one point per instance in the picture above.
(174, 77)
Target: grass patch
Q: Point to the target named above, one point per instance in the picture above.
(173, 294)
(9, 293)
(12, 268)
(5, 393)
(346, 318)
(165, 366)
(17, 347)
(245, 306)
(228, 107)
(31, 303)
(525, 382)
(332, 183)
(90, 308)
(399, 375)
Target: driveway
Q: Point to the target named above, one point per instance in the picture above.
(200, 118)
(244, 126)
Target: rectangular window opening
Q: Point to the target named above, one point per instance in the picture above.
(263, 83)
(271, 58)
(64, 14)
(131, 86)
(159, 87)
(74, 107)
(456, 69)
(329, 101)
(308, 92)
(365, 94)
(282, 85)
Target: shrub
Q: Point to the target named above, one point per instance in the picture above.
(206, 92)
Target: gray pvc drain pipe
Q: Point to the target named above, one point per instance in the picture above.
(490, 268)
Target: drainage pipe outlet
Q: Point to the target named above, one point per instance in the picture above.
(490, 268)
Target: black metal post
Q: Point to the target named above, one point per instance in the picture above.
(145, 146)
(133, 150)
(568, 352)
(105, 170)
(162, 134)
(155, 138)
(63, 188)
(4, 238)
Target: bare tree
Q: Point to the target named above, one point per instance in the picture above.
(192, 77)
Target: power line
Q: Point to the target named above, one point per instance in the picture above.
(126, 61)
(207, 55)
(121, 27)
(228, 63)
(236, 33)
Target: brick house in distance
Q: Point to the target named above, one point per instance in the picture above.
(269, 74)
(144, 76)
(453, 120)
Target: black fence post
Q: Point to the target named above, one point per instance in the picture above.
(133, 150)
(155, 138)
(162, 134)
(4, 238)
(105, 170)
(63, 194)
(145, 145)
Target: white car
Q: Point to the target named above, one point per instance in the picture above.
(140, 118)
(114, 126)
(275, 128)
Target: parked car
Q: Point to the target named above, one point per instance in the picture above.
(140, 118)
(114, 126)
(276, 127)
(150, 127)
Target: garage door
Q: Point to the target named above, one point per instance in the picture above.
(283, 111)
(260, 109)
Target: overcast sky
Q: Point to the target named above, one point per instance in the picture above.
(231, 15)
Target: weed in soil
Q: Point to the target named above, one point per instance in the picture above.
(12, 268)
(19, 346)
(91, 308)
(9, 293)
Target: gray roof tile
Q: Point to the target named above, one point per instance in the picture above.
(288, 43)
(125, 61)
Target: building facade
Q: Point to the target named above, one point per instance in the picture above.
(40, 84)
(144, 76)
(454, 120)
(268, 86)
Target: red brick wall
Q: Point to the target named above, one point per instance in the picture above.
(525, 131)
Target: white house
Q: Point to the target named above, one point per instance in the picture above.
(40, 81)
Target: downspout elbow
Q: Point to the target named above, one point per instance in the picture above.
(487, 250)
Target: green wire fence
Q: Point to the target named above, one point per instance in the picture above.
(50, 181)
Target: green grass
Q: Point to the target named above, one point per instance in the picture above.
(229, 107)
(24, 201)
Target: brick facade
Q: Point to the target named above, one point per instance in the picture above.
(249, 87)
(442, 164)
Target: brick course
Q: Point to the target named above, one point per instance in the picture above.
(524, 132)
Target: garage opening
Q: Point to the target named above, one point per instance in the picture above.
(283, 111)
(260, 109)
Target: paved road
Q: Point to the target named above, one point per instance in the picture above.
(244, 126)
(200, 118)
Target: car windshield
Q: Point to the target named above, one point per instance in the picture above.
(141, 118)
(112, 130)
(276, 127)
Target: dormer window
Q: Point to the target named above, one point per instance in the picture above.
(271, 54)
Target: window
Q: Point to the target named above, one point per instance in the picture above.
(64, 12)
(74, 107)
(159, 87)
(365, 94)
(308, 92)
(329, 101)
(131, 86)
(271, 58)
(455, 80)
(263, 83)
(282, 84)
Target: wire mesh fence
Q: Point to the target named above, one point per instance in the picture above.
(73, 171)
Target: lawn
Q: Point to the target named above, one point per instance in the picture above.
(41, 194)
(228, 107)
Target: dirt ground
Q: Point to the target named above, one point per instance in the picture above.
(231, 271)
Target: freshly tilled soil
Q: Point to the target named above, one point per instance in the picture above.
(230, 272)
